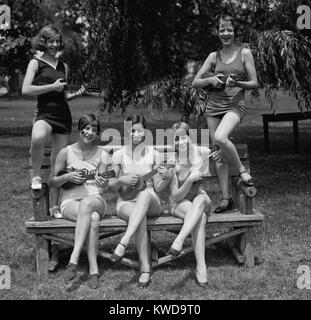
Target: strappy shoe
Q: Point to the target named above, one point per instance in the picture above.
(221, 208)
(144, 284)
(173, 252)
(115, 258)
(55, 212)
(249, 182)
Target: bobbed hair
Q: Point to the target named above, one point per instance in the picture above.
(181, 125)
(88, 119)
(47, 32)
(137, 118)
(227, 18)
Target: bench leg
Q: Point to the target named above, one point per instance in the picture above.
(266, 134)
(247, 247)
(296, 136)
(42, 255)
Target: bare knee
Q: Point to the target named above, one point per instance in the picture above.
(145, 196)
(95, 219)
(220, 139)
(204, 201)
(37, 142)
(86, 206)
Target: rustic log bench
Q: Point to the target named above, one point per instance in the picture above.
(281, 117)
(237, 225)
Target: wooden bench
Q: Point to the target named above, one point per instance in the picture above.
(280, 117)
(237, 225)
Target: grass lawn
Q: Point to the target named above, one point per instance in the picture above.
(283, 242)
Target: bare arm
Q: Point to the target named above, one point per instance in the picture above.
(201, 81)
(162, 179)
(76, 94)
(179, 194)
(249, 64)
(30, 89)
(60, 164)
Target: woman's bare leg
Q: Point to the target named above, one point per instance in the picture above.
(81, 212)
(59, 141)
(146, 202)
(228, 123)
(199, 205)
(222, 168)
(40, 131)
(198, 239)
(141, 236)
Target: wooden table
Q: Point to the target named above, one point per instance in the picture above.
(288, 116)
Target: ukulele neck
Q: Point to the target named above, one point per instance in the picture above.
(149, 175)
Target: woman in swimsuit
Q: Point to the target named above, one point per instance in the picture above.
(130, 163)
(235, 72)
(188, 200)
(84, 202)
(45, 79)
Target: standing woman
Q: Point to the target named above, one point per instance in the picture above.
(129, 163)
(235, 72)
(46, 78)
(84, 202)
(188, 200)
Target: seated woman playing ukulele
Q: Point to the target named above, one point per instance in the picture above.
(130, 164)
(82, 199)
(188, 200)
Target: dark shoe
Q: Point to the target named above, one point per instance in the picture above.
(54, 261)
(173, 252)
(115, 258)
(199, 283)
(93, 281)
(249, 182)
(222, 207)
(71, 272)
(143, 284)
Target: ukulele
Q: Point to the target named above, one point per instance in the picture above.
(223, 77)
(129, 193)
(69, 185)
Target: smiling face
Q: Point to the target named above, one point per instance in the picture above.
(226, 32)
(181, 139)
(88, 133)
(53, 45)
(138, 133)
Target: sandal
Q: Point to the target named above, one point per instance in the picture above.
(249, 182)
(144, 284)
(55, 212)
(173, 252)
(115, 258)
(221, 207)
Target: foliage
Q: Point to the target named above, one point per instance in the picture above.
(27, 19)
(15, 43)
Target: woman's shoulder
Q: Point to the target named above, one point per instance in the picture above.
(34, 63)
(118, 155)
(63, 152)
